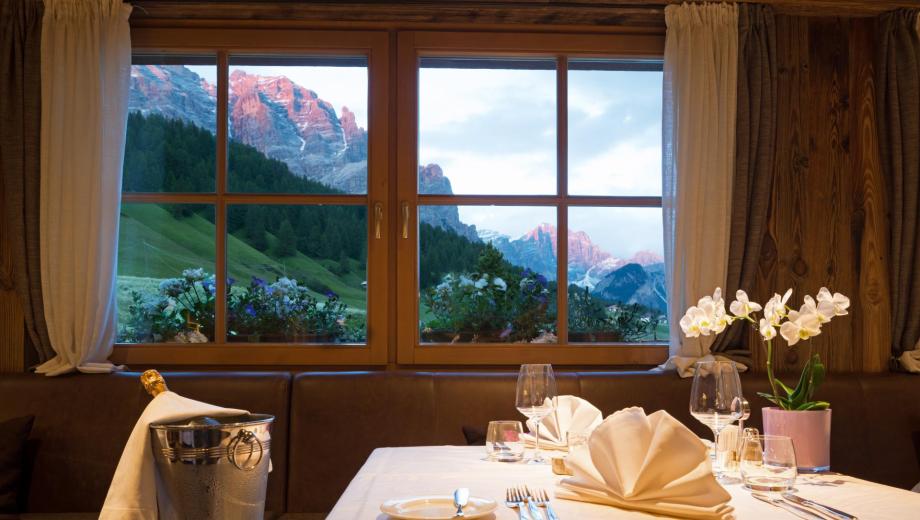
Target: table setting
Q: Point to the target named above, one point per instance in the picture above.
(573, 463)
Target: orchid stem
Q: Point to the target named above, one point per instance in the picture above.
(770, 371)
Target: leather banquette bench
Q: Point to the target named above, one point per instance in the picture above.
(327, 423)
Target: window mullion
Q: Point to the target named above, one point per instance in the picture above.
(562, 221)
(220, 243)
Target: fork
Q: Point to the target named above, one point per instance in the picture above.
(515, 500)
(531, 505)
(542, 499)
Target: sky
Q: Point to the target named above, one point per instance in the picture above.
(494, 132)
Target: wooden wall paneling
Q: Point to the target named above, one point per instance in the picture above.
(782, 245)
(827, 250)
(873, 331)
(827, 224)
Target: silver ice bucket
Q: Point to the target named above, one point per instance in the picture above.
(213, 467)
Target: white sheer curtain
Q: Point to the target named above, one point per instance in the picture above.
(700, 82)
(86, 60)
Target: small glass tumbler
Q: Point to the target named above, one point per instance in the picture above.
(768, 463)
(504, 442)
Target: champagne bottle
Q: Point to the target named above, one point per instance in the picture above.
(153, 383)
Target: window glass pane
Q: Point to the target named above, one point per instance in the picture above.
(614, 128)
(487, 274)
(616, 275)
(487, 126)
(172, 114)
(298, 273)
(298, 125)
(165, 273)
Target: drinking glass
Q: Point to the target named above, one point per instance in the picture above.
(768, 463)
(504, 442)
(716, 400)
(536, 398)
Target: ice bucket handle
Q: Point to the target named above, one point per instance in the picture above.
(249, 439)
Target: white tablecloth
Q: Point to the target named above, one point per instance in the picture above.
(438, 470)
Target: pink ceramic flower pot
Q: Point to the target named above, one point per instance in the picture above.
(810, 432)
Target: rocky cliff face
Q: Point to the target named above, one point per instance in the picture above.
(431, 179)
(283, 120)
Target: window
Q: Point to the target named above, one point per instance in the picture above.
(258, 224)
(248, 186)
(534, 226)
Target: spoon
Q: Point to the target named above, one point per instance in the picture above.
(461, 497)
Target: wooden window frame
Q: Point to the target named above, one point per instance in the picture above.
(224, 43)
(411, 47)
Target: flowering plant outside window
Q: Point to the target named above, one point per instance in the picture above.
(708, 316)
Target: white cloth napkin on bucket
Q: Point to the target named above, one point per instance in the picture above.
(650, 463)
(571, 413)
(133, 492)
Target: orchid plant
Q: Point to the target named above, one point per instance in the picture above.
(708, 317)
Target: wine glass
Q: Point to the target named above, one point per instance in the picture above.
(716, 401)
(536, 398)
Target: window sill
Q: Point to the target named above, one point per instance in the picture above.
(247, 354)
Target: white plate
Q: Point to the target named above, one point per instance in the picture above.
(436, 508)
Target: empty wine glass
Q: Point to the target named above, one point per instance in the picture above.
(716, 400)
(536, 398)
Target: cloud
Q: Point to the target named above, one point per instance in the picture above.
(514, 173)
(630, 167)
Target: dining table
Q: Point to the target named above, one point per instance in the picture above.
(406, 472)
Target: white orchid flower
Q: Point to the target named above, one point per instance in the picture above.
(800, 327)
(742, 307)
(823, 310)
(767, 330)
(839, 302)
(775, 309)
(696, 322)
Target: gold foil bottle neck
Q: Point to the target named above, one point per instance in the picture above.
(153, 382)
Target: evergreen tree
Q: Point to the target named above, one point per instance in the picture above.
(287, 240)
(255, 227)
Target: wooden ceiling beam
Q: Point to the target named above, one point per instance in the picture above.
(599, 13)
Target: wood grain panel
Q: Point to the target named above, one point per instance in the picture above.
(873, 332)
(827, 224)
(11, 333)
(589, 13)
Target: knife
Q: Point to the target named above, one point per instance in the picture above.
(828, 510)
(798, 511)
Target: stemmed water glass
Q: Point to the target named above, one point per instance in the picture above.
(536, 398)
(716, 401)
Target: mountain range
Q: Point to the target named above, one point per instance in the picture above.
(293, 124)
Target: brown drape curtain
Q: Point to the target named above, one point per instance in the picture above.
(20, 118)
(898, 76)
(755, 139)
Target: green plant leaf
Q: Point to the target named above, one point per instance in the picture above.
(780, 401)
(785, 388)
(817, 376)
(799, 396)
(814, 405)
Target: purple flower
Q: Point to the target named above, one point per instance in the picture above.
(249, 310)
(541, 280)
(230, 281)
(258, 282)
(330, 294)
(208, 286)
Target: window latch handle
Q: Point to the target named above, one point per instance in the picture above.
(405, 215)
(378, 219)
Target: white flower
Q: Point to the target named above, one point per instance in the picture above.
(800, 327)
(742, 307)
(839, 302)
(500, 283)
(696, 322)
(824, 310)
(767, 330)
(465, 281)
(194, 275)
(775, 309)
(482, 282)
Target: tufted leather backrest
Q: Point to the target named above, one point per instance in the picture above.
(82, 423)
